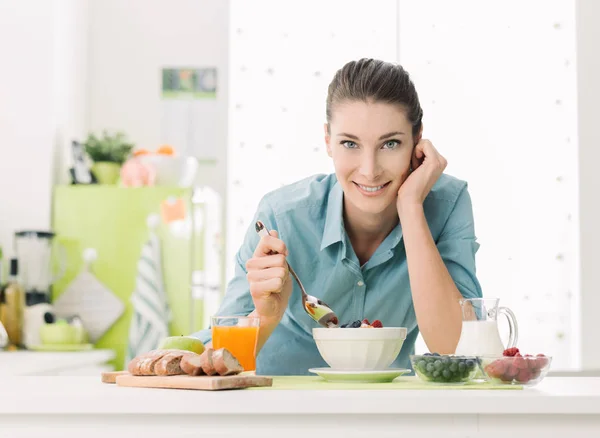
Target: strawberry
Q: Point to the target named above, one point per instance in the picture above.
(495, 369)
(524, 376)
(511, 351)
(511, 371)
(541, 361)
(366, 321)
(520, 362)
(376, 324)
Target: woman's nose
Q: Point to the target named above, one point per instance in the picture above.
(370, 167)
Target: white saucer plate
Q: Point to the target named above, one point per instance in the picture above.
(368, 376)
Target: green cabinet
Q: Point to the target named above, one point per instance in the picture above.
(113, 220)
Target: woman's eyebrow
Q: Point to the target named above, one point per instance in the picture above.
(388, 135)
(391, 134)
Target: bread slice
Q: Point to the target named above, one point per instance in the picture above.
(207, 363)
(134, 366)
(191, 364)
(147, 366)
(140, 364)
(169, 365)
(225, 363)
(145, 363)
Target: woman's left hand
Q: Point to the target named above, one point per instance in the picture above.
(427, 166)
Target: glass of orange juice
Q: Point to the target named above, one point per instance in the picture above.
(239, 335)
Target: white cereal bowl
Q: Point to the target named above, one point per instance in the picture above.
(359, 349)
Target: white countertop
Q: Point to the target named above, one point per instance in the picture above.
(87, 395)
(30, 363)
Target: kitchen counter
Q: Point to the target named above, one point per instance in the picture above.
(55, 363)
(83, 406)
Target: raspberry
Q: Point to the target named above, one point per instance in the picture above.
(366, 321)
(510, 351)
(377, 324)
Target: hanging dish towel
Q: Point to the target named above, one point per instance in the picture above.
(87, 297)
(151, 313)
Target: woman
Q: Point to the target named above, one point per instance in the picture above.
(388, 237)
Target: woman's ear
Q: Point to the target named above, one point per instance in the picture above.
(419, 135)
(327, 138)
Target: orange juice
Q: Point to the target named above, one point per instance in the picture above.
(240, 341)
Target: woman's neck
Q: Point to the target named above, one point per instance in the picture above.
(367, 231)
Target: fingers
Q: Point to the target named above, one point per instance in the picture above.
(257, 275)
(425, 149)
(266, 261)
(264, 288)
(269, 245)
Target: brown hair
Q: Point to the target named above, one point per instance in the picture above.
(378, 81)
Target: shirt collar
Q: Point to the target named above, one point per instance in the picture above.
(334, 222)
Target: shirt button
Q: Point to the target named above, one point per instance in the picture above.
(360, 283)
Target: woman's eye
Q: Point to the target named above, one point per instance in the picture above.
(349, 144)
(391, 144)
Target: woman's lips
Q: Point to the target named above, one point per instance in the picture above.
(371, 190)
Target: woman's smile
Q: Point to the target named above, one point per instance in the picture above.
(371, 190)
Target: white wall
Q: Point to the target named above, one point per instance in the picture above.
(40, 104)
(130, 41)
(588, 72)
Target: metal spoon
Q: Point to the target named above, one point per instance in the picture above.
(316, 309)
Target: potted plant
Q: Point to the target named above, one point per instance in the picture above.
(108, 154)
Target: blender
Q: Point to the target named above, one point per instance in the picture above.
(34, 251)
(36, 269)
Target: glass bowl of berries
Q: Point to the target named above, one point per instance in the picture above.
(513, 368)
(359, 345)
(445, 369)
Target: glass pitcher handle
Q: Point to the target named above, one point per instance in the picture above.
(513, 335)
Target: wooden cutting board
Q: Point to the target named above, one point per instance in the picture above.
(111, 376)
(206, 383)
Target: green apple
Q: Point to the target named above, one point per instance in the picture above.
(187, 343)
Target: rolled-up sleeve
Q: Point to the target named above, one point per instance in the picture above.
(237, 300)
(458, 245)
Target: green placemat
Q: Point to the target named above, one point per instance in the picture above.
(403, 382)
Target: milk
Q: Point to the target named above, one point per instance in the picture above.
(479, 338)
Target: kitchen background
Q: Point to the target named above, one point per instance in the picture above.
(508, 99)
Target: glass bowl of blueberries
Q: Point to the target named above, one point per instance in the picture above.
(445, 369)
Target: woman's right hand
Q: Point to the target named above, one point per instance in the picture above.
(269, 278)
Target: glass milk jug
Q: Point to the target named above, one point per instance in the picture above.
(480, 335)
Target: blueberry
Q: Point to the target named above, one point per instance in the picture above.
(430, 368)
(446, 361)
(470, 364)
(356, 324)
(435, 354)
(438, 365)
(427, 354)
(447, 374)
(436, 374)
(453, 367)
(422, 365)
(461, 367)
(344, 325)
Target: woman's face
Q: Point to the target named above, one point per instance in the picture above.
(371, 146)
